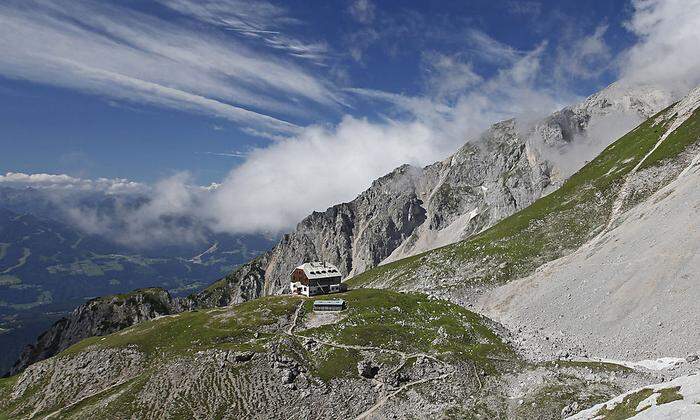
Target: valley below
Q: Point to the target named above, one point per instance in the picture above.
(48, 268)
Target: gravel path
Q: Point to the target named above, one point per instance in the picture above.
(404, 357)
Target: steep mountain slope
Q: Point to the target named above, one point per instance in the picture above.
(631, 292)
(412, 210)
(267, 355)
(387, 355)
(586, 205)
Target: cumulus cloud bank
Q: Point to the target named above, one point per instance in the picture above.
(130, 213)
(279, 185)
(168, 214)
(67, 182)
(667, 51)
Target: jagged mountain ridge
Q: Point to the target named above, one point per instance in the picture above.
(589, 204)
(98, 317)
(108, 314)
(411, 210)
(628, 172)
(48, 267)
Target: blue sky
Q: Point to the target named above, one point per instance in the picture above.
(385, 46)
(283, 108)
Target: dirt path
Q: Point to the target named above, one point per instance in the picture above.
(404, 357)
(73, 404)
(290, 330)
(383, 400)
(624, 190)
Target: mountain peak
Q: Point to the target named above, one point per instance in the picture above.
(643, 100)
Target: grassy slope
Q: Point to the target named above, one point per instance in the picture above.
(409, 323)
(379, 318)
(373, 319)
(189, 332)
(395, 321)
(549, 228)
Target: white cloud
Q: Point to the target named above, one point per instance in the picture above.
(233, 154)
(131, 213)
(667, 51)
(359, 41)
(279, 185)
(449, 76)
(490, 49)
(258, 20)
(168, 214)
(323, 165)
(314, 167)
(362, 11)
(67, 182)
(121, 53)
(583, 58)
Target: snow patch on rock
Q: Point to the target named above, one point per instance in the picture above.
(686, 408)
(663, 363)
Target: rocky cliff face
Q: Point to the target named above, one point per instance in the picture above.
(244, 283)
(108, 314)
(412, 210)
(97, 317)
(356, 235)
(631, 291)
(583, 219)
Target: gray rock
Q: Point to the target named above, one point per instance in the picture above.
(411, 210)
(569, 410)
(287, 376)
(97, 317)
(241, 356)
(366, 369)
